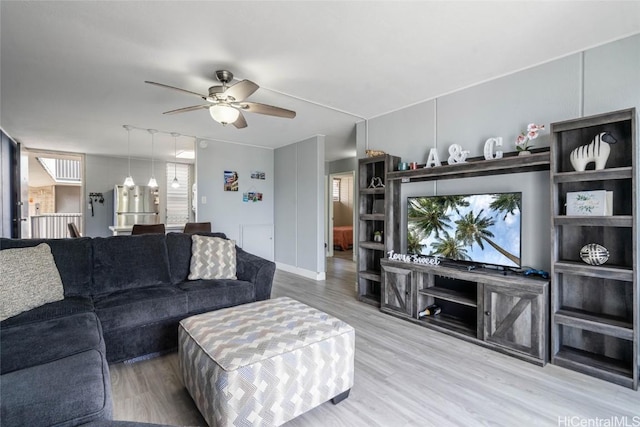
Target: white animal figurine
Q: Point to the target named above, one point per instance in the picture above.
(596, 151)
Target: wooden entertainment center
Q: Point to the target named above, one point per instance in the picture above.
(584, 318)
(508, 313)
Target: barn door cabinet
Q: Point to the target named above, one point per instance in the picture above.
(398, 290)
(595, 323)
(507, 313)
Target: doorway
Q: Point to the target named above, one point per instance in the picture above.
(54, 193)
(341, 218)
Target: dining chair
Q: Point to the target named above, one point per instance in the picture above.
(147, 229)
(73, 230)
(195, 227)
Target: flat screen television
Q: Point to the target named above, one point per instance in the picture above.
(482, 229)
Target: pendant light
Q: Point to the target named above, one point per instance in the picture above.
(152, 181)
(128, 182)
(175, 183)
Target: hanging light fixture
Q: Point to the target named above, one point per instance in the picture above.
(175, 183)
(152, 181)
(223, 113)
(129, 179)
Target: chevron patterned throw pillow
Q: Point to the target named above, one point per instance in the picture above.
(212, 258)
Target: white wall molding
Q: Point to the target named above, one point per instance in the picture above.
(313, 275)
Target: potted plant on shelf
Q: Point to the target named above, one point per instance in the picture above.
(523, 140)
(377, 236)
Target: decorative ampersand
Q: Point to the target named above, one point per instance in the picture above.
(457, 155)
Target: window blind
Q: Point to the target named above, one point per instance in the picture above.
(178, 198)
(336, 189)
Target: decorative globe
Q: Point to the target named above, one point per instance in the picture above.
(594, 254)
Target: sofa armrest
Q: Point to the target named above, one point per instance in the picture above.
(259, 271)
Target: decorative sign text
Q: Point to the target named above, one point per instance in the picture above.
(433, 159)
(488, 148)
(413, 258)
(457, 154)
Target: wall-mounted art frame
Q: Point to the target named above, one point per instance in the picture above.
(230, 181)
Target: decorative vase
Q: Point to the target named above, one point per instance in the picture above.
(524, 153)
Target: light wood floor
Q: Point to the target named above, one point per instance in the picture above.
(406, 375)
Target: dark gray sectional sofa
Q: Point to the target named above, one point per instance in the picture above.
(124, 296)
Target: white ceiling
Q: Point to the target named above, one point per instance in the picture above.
(72, 72)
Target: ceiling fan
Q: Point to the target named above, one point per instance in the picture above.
(226, 103)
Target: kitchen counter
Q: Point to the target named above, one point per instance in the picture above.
(126, 230)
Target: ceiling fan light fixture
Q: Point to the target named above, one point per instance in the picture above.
(224, 114)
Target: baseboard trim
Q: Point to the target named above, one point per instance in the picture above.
(313, 275)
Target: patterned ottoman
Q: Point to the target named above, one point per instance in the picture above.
(264, 363)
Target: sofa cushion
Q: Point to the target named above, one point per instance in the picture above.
(73, 258)
(29, 278)
(65, 392)
(36, 343)
(66, 307)
(141, 306)
(127, 262)
(207, 295)
(143, 341)
(179, 249)
(212, 258)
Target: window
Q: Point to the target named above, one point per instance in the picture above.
(336, 189)
(178, 198)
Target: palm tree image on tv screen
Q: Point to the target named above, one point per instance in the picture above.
(481, 228)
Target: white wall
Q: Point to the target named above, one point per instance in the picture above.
(68, 199)
(592, 82)
(299, 208)
(343, 165)
(225, 209)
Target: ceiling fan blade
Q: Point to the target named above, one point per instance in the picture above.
(176, 88)
(242, 90)
(240, 122)
(186, 109)
(269, 110)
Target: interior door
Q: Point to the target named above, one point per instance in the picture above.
(21, 218)
(15, 190)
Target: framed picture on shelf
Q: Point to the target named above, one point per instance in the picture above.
(590, 203)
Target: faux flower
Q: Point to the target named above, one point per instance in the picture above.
(522, 141)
